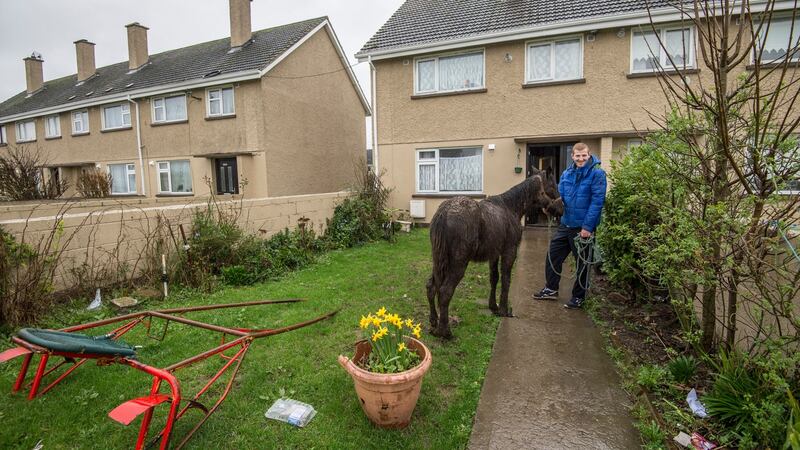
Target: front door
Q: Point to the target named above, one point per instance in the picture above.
(227, 177)
(551, 159)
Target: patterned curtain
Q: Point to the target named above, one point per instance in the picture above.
(461, 72)
(427, 177)
(677, 44)
(176, 108)
(118, 178)
(777, 42)
(181, 176)
(539, 61)
(568, 59)
(460, 170)
(645, 46)
(426, 76)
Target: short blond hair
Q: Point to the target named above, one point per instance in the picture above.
(580, 146)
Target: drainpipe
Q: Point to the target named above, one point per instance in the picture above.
(374, 99)
(139, 145)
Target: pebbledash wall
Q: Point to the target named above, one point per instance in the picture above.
(96, 230)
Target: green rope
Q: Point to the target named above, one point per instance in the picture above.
(789, 244)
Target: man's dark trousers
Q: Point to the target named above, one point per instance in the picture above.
(561, 245)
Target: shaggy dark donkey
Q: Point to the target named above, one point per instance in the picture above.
(463, 230)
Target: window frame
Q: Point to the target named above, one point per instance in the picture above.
(756, 49)
(128, 173)
(105, 127)
(633, 143)
(164, 99)
(47, 130)
(663, 59)
(222, 112)
(552, 41)
(85, 126)
(436, 58)
(3, 135)
(26, 138)
(168, 171)
(435, 163)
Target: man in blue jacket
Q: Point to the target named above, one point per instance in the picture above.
(583, 191)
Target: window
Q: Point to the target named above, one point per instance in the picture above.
(80, 122)
(3, 138)
(220, 102)
(52, 126)
(560, 59)
(123, 178)
(26, 131)
(117, 116)
(174, 177)
(635, 142)
(227, 176)
(450, 170)
(781, 161)
(647, 54)
(449, 73)
(169, 109)
(774, 40)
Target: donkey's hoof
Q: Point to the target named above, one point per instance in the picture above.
(443, 334)
(501, 313)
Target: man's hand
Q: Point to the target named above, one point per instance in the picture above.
(585, 234)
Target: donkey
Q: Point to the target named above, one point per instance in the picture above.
(463, 230)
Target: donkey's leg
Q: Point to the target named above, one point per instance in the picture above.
(432, 288)
(446, 290)
(507, 264)
(494, 275)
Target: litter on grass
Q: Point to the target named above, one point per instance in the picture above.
(701, 443)
(291, 411)
(683, 439)
(698, 408)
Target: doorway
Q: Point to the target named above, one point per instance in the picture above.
(226, 174)
(552, 159)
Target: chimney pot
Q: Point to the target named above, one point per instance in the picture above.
(137, 45)
(34, 75)
(241, 30)
(84, 52)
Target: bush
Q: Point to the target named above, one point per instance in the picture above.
(21, 176)
(362, 217)
(651, 377)
(683, 368)
(93, 184)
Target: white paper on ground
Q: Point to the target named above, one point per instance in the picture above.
(697, 407)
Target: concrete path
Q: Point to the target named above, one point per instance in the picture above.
(550, 384)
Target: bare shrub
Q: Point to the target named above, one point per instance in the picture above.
(94, 183)
(21, 176)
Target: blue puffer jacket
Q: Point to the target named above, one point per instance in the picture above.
(583, 191)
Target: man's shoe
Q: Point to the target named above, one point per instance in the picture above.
(546, 294)
(574, 303)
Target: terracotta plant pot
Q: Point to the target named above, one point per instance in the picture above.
(388, 399)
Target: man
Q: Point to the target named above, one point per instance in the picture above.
(583, 191)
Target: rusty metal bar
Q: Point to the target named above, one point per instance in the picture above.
(206, 354)
(197, 324)
(228, 305)
(261, 334)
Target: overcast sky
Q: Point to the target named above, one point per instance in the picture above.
(50, 27)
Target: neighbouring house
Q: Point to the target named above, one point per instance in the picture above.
(251, 107)
(470, 95)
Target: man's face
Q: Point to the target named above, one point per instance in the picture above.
(580, 157)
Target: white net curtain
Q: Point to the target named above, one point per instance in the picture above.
(461, 72)
(460, 169)
(777, 42)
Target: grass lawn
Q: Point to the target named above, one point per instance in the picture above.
(300, 364)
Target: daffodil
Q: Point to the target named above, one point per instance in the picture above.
(381, 312)
(401, 346)
(409, 323)
(416, 331)
(365, 321)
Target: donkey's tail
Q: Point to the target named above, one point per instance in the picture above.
(439, 249)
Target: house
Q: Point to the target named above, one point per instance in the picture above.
(470, 95)
(279, 108)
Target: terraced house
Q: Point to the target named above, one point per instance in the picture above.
(470, 95)
(250, 107)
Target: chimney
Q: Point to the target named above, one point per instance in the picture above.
(240, 22)
(137, 45)
(34, 76)
(84, 51)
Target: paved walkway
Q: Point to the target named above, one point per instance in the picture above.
(550, 384)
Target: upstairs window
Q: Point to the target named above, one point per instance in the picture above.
(3, 138)
(123, 178)
(174, 177)
(449, 73)
(26, 131)
(781, 36)
(554, 60)
(117, 116)
(450, 170)
(220, 102)
(80, 122)
(647, 53)
(169, 109)
(52, 126)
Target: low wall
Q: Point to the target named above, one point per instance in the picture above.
(100, 231)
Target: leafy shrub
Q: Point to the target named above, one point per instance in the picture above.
(683, 368)
(652, 435)
(93, 184)
(362, 217)
(651, 376)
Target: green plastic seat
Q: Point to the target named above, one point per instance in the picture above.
(60, 341)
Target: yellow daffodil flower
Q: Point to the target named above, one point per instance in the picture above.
(365, 321)
(409, 323)
(401, 346)
(416, 331)
(381, 312)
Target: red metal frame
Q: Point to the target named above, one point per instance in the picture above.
(128, 411)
